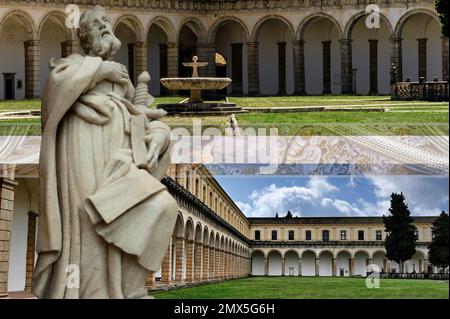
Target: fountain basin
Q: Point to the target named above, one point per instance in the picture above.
(199, 83)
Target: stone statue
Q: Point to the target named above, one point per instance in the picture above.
(105, 218)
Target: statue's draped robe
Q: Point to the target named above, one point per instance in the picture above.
(100, 216)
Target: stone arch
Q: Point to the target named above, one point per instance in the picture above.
(189, 230)
(211, 239)
(360, 262)
(221, 21)
(205, 235)
(260, 23)
(377, 251)
(325, 262)
(355, 18)
(24, 19)
(293, 251)
(257, 258)
(307, 20)
(164, 24)
(308, 251)
(198, 232)
(274, 262)
(179, 230)
(196, 27)
(405, 17)
(343, 260)
(58, 17)
(133, 23)
(222, 242)
(217, 241)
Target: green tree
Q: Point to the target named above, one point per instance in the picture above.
(442, 8)
(400, 243)
(438, 249)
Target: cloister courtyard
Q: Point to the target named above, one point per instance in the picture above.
(311, 288)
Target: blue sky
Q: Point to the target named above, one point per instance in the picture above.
(263, 196)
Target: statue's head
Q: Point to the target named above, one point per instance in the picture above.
(96, 34)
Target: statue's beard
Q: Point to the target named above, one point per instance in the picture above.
(106, 48)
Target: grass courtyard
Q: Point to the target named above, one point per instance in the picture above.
(311, 288)
(398, 118)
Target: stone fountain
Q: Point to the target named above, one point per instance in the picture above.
(196, 84)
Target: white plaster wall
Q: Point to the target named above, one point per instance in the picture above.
(394, 265)
(291, 261)
(361, 56)
(274, 264)
(51, 37)
(125, 35)
(12, 56)
(18, 251)
(271, 32)
(317, 31)
(156, 36)
(414, 263)
(227, 34)
(325, 264)
(342, 262)
(360, 264)
(421, 26)
(308, 264)
(377, 259)
(258, 264)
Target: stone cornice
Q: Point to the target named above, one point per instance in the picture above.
(183, 194)
(322, 244)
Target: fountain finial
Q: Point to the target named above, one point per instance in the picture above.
(195, 65)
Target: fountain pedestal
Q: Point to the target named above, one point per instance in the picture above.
(196, 84)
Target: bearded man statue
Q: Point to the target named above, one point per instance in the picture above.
(105, 218)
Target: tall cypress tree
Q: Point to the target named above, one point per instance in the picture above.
(438, 249)
(442, 7)
(400, 243)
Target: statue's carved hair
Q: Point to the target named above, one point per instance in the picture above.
(83, 30)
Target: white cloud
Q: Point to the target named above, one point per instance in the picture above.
(343, 207)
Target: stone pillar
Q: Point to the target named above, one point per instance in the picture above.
(346, 66)
(198, 261)
(7, 188)
(179, 253)
(266, 266)
(166, 267)
(217, 263)
(140, 55)
(253, 68)
(236, 69)
(299, 266)
(31, 247)
(373, 66)
(205, 271)
(422, 49)
(351, 266)
(69, 47)
(281, 68)
(326, 67)
(299, 67)
(385, 265)
(317, 268)
(32, 68)
(445, 59)
(334, 267)
(396, 57)
(131, 62)
(211, 274)
(190, 261)
(150, 279)
(207, 53)
(425, 266)
(162, 66)
(283, 266)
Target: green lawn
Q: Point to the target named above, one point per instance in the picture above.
(311, 288)
(402, 118)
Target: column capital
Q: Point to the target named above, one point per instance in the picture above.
(29, 43)
(345, 41)
(172, 44)
(252, 43)
(237, 44)
(373, 40)
(326, 42)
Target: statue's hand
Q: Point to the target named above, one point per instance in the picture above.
(113, 72)
(156, 142)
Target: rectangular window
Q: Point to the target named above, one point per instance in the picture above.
(416, 233)
(379, 235)
(343, 235)
(274, 235)
(291, 235)
(325, 235)
(308, 235)
(257, 235)
(360, 234)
